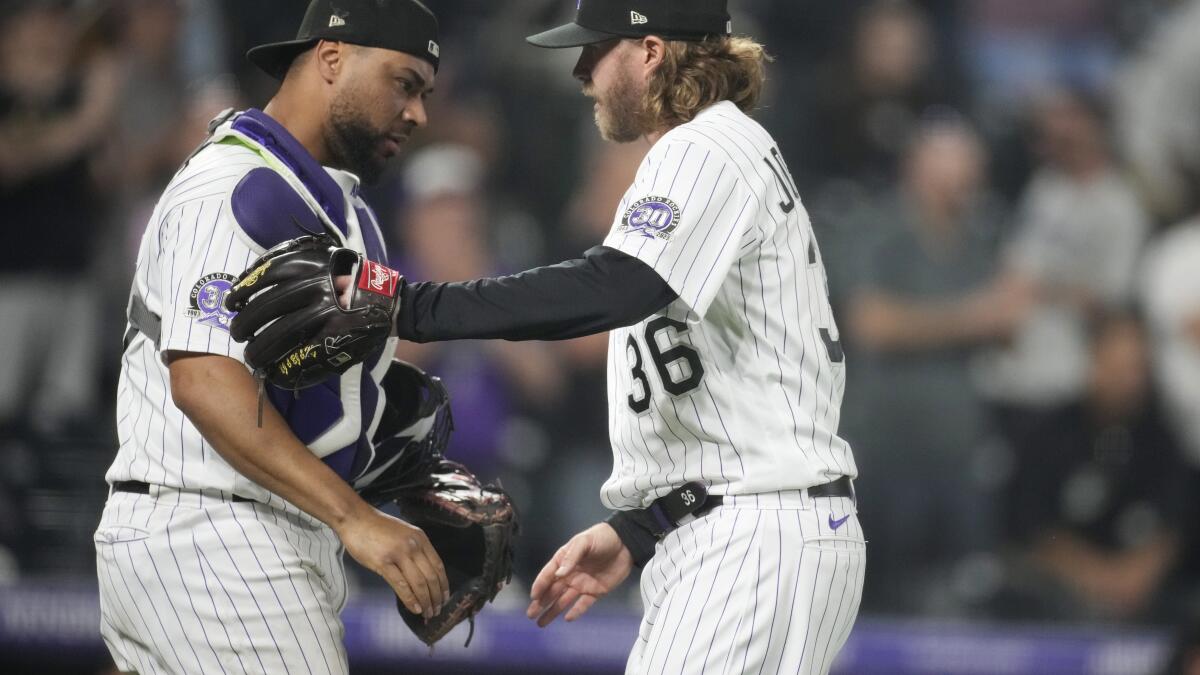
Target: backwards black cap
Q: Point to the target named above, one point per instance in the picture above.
(400, 25)
(600, 20)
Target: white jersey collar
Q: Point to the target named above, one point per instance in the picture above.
(348, 182)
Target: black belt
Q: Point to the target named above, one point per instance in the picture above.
(842, 487)
(640, 530)
(139, 488)
(692, 499)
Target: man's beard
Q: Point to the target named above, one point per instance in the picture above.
(353, 143)
(621, 117)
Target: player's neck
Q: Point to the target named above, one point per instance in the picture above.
(654, 136)
(300, 123)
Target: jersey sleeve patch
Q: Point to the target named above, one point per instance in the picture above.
(651, 217)
(207, 304)
(269, 210)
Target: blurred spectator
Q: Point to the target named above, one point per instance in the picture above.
(920, 302)
(863, 110)
(1133, 21)
(1098, 489)
(168, 93)
(1158, 92)
(57, 101)
(154, 97)
(1080, 230)
(1019, 46)
(171, 83)
(1171, 293)
(869, 104)
(445, 238)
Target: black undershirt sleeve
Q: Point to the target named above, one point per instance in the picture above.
(605, 289)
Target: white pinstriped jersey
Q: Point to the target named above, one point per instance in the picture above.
(197, 241)
(739, 382)
(192, 580)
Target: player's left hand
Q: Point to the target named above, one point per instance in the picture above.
(302, 327)
(590, 565)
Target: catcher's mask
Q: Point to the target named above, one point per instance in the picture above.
(411, 436)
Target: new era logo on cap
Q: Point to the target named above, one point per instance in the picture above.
(338, 18)
(600, 20)
(434, 49)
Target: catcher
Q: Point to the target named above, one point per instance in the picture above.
(221, 544)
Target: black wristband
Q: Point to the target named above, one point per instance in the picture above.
(634, 534)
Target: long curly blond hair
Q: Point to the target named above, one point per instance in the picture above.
(695, 75)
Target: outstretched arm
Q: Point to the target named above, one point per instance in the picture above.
(605, 289)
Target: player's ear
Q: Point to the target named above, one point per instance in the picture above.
(654, 49)
(331, 59)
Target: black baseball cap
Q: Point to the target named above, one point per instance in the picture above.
(600, 20)
(400, 25)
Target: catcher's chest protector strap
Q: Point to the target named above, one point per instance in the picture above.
(141, 320)
(213, 124)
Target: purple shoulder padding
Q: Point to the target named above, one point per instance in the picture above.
(275, 139)
(270, 211)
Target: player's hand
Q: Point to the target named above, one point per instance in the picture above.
(402, 555)
(584, 570)
(342, 284)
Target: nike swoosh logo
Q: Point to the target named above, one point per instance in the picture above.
(835, 524)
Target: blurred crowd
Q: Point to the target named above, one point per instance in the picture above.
(1007, 193)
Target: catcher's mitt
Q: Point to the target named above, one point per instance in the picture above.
(297, 332)
(471, 526)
